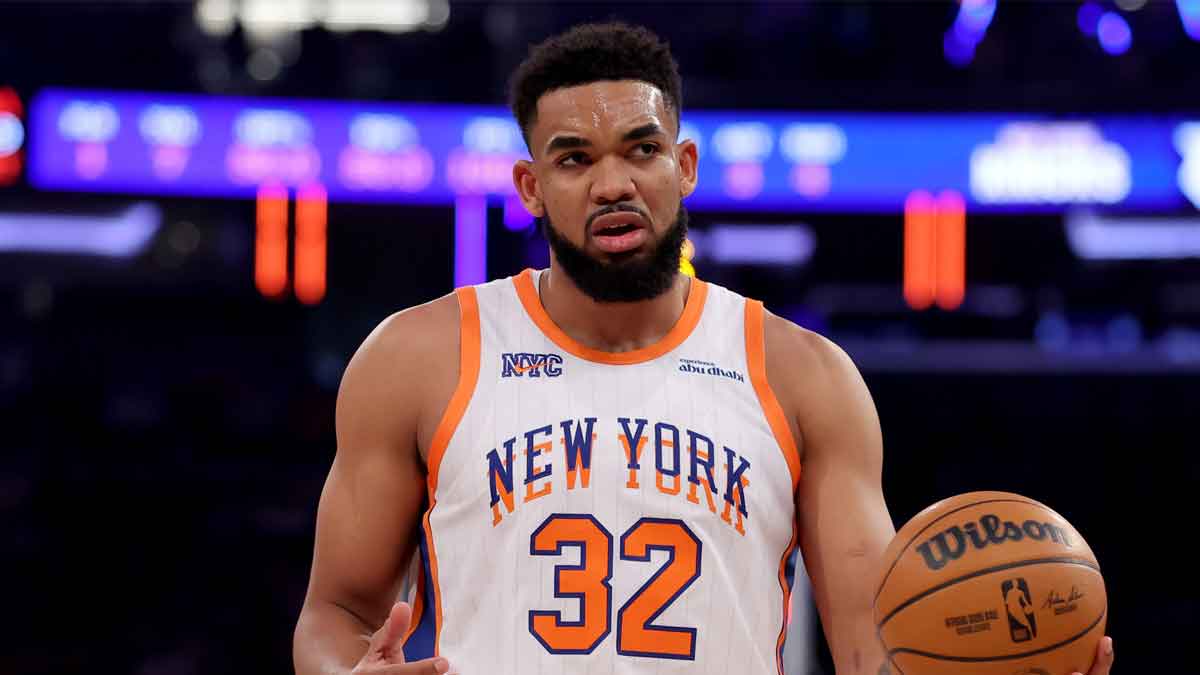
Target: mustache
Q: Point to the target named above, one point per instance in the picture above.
(613, 208)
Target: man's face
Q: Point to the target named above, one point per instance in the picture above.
(608, 177)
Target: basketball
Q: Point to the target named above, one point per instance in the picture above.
(990, 583)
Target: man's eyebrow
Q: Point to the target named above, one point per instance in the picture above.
(644, 131)
(566, 143)
(570, 142)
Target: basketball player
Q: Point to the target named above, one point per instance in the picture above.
(601, 467)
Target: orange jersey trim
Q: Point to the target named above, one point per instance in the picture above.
(468, 376)
(756, 359)
(418, 605)
(437, 594)
(675, 337)
(787, 596)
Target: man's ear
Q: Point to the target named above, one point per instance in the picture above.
(687, 155)
(526, 183)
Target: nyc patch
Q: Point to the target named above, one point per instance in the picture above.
(524, 364)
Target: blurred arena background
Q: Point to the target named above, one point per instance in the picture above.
(205, 207)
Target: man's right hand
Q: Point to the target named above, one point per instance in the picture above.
(384, 655)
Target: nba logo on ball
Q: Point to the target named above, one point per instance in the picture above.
(1022, 624)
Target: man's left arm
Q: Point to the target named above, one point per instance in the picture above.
(842, 515)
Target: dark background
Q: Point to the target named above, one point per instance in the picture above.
(167, 429)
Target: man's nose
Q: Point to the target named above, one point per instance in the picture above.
(612, 182)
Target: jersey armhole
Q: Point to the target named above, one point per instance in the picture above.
(468, 376)
(756, 362)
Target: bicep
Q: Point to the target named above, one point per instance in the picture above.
(366, 522)
(371, 503)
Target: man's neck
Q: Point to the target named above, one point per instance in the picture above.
(610, 326)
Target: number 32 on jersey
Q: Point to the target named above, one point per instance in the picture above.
(588, 582)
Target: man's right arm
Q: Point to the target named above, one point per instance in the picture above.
(371, 503)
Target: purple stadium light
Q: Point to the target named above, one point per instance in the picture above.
(786, 245)
(1189, 13)
(976, 15)
(958, 52)
(1088, 18)
(516, 218)
(971, 24)
(1093, 237)
(470, 240)
(123, 235)
(1114, 33)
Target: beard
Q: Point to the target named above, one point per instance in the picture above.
(625, 277)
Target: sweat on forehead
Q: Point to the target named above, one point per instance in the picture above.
(600, 108)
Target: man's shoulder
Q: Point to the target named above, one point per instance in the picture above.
(403, 370)
(815, 380)
(430, 326)
(409, 340)
(793, 348)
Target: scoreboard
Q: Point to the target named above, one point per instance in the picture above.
(210, 146)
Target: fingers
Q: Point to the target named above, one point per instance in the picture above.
(386, 641)
(435, 666)
(385, 656)
(1104, 658)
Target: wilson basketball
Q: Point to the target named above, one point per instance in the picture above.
(990, 583)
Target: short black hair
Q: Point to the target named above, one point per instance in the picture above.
(593, 52)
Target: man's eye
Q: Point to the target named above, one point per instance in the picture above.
(573, 159)
(647, 148)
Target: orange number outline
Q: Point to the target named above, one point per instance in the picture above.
(640, 636)
(573, 581)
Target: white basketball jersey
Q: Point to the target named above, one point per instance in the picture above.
(595, 512)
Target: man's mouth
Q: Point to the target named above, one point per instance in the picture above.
(617, 223)
(616, 230)
(619, 232)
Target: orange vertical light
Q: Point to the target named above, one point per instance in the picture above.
(951, 251)
(270, 241)
(920, 224)
(312, 214)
